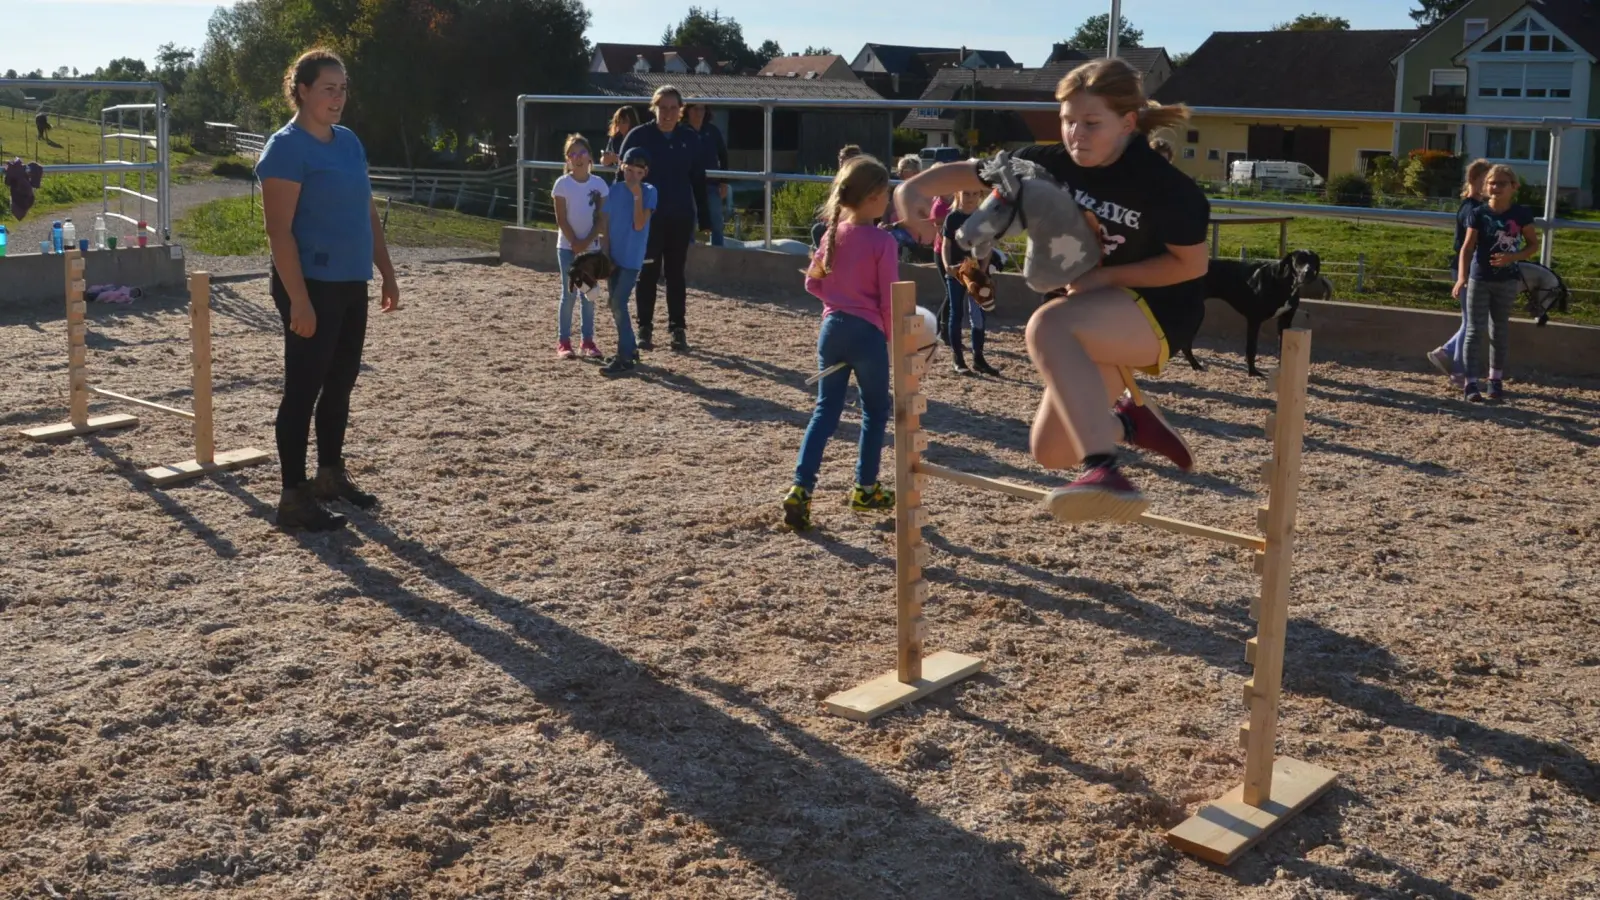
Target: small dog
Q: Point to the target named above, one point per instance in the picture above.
(588, 269)
(1262, 291)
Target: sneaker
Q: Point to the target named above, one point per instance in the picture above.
(1497, 389)
(298, 510)
(871, 499)
(960, 368)
(1151, 432)
(1459, 380)
(590, 351)
(1442, 361)
(981, 365)
(680, 341)
(797, 508)
(564, 350)
(335, 484)
(1099, 493)
(618, 365)
(646, 340)
(1471, 393)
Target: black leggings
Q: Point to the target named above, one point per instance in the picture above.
(319, 372)
(668, 248)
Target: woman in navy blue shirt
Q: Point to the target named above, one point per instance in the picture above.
(325, 237)
(678, 171)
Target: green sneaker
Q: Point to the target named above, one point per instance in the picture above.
(797, 508)
(871, 499)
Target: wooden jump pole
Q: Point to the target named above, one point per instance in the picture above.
(1274, 789)
(914, 676)
(206, 458)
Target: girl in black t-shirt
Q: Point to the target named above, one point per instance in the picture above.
(623, 121)
(1147, 297)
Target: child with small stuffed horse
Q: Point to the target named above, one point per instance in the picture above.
(969, 292)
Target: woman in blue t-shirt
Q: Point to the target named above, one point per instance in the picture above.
(325, 237)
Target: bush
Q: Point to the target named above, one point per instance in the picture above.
(233, 167)
(908, 140)
(178, 143)
(794, 208)
(1532, 195)
(1385, 175)
(1433, 173)
(1349, 189)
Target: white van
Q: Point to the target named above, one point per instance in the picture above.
(1275, 174)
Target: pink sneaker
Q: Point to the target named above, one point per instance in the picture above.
(564, 350)
(1099, 493)
(1151, 432)
(590, 351)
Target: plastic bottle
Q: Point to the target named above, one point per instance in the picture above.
(144, 236)
(99, 232)
(4, 239)
(55, 237)
(69, 235)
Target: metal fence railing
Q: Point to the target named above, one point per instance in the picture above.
(768, 176)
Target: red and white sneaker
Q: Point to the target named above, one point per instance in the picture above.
(564, 350)
(590, 351)
(1151, 432)
(1099, 493)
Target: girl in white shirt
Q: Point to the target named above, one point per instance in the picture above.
(579, 196)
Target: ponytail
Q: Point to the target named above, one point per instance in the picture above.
(1156, 116)
(859, 178)
(1122, 88)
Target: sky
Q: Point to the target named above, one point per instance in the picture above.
(89, 33)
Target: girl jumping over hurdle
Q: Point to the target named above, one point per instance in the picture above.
(851, 272)
(1147, 297)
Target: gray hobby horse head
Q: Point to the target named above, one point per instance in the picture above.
(1063, 242)
(1545, 289)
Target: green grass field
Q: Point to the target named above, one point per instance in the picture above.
(234, 227)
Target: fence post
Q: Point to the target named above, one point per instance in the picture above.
(1243, 256)
(1552, 192)
(433, 193)
(766, 170)
(1361, 272)
(493, 200)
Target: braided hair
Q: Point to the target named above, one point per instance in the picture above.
(859, 178)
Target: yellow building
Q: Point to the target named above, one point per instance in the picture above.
(1285, 70)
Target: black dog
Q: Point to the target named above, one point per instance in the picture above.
(1261, 291)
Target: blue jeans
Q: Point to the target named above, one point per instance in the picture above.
(564, 331)
(961, 305)
(621, 285)
(718, 214)
(864, 349)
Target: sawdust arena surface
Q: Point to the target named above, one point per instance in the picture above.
(574, 655)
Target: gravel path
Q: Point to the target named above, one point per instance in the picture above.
(241, 266)
(26, 235)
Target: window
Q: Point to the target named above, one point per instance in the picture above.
(1527, 36)
(1441, 139)
(1188, 153)
(928, 112)
(1235, 156)
(1473, 29)
(1447, 82)
(1193, 137)
(1518, 144)
(1535, 81)
(1365, 158)
(1213, 155)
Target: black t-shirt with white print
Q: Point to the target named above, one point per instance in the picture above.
(1144, 203)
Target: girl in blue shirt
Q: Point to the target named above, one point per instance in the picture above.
(325, 238)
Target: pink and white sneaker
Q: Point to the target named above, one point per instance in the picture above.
(590, 351)
(1099, 493)
(564, 350)
(1151, 432)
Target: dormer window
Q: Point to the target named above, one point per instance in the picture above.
(1527, 36)
(641, 66)
(702, 67)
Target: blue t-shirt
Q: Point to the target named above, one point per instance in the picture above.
(628, 243)
(333, 219)
(1466, 214)
(1499, 232)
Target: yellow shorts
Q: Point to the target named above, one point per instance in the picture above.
(1161, 338)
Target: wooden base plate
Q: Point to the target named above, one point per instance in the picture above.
(161, 476)
(67, 429)
(1224, 829)
(886, 692)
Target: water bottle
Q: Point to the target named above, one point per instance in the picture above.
(69, 235)
(144, 235)
(3, 239)
(55, 236)
(99, 232)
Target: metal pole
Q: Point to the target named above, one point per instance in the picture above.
(1113, 27)
(522, 173)
(164, 157)
(766, 167)
(1552, 183)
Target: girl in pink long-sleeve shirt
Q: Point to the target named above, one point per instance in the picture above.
(851, 272)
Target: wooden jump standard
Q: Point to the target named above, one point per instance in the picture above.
(1273, 789)
(206, 459)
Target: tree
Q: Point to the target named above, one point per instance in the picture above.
(768, 51)
(1432, 12)
(816, 51)
(1092, 34)
(1178, 59)
(1314, 22)
(723, 36)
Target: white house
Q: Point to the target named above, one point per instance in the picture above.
(1526, 66)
